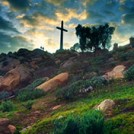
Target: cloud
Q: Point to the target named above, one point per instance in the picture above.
(10, 43)
(104, 11)
(7, 25)
(56, 2)
(128, 19)
(71, 14)
(19, 4)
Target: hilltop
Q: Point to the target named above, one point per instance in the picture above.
(39, 90)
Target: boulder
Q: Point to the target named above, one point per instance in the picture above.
(89, 75)
(4, 121)
(14, 77)
(106, 106)
(53, 83)
(9, 64)
(10, 80)
(116, 73)
(56, 107)
(6, 127)
(12, 129)
(69, 63)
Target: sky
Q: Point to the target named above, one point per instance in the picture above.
(32, 23)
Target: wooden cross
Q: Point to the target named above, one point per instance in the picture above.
(61, 36)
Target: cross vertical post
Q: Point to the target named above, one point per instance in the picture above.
(61, 36)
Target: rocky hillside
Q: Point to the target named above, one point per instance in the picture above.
(42, 92)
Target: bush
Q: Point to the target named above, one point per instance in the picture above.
(129, 74)
(98, 81)
(29, 94)
(91, 122)
(28, 105)
(7, 106)
(71, 91)
(4, 95)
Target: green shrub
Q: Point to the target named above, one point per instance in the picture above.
(4, 95)
(129, 74)
(91, 122)
(98, 81)
(7, 106)
(28, 104)
(70, 92)
(126, 56)
(29, 94)
(77, 88)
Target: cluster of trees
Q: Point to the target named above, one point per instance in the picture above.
(94, 38)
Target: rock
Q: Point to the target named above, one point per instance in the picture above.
(116, 73)
(12, 129)
(106, 106)
(10, 80)
(14, 77)
(56, 107)
(69, 62)
(24, 129)
(9, 64)
(4, 121)
(89, 75)
(86, 90)
(53, 83)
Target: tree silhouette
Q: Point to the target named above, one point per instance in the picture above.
(94, 38)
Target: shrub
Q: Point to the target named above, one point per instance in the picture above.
(91, 122)
(7, 106)
(76, 88)
(98, 81)
(30, 94)
(70, 92)
(28, 105)
(129, 74)
(4, 95)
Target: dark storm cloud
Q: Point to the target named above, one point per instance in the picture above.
(6, 25)
(8, 43)
(127, 6)
(19, 4)
(128, 19)
(104, 11)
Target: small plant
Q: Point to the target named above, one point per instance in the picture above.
(129, 74)
(7, 106)
(71, 91)
(29, 92)
(98, 81)
(91, 122)
(77, 88)
(28, 105)
(26, 95)
(4, 95)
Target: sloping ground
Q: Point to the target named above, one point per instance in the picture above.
(122, 118)
(47, 109)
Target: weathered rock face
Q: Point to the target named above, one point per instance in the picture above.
(69, 63)
(106, 106)
(14, 77)
(54, 82)
(10, 80)
(12, 129)
(9, 64)
(89, 75)
(5, 127)
(116, 73)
